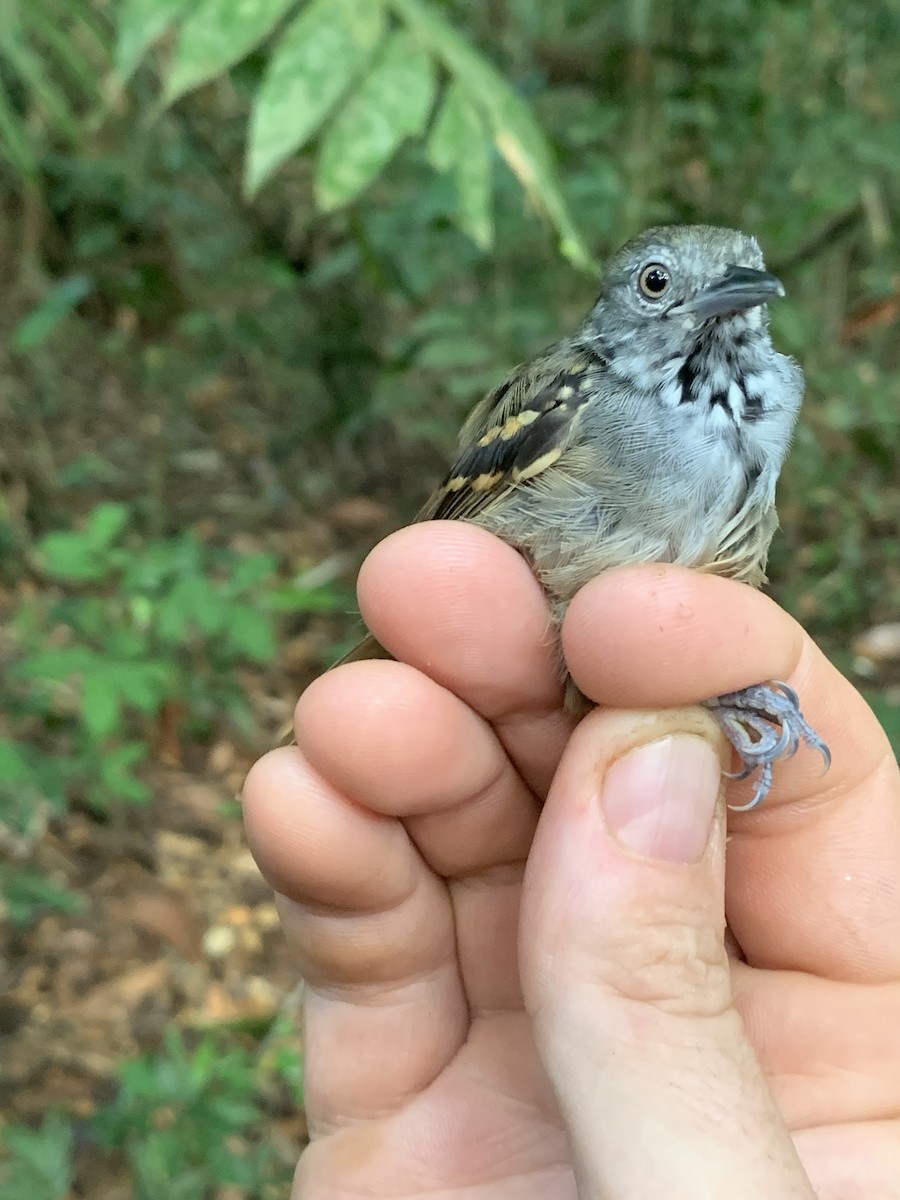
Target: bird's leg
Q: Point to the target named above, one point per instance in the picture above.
(764, 724)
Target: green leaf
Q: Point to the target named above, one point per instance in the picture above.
(14, 765)
(460, 146)
(454, 352)
(391, 103)
(210, 608)
(315, 61)
(84, 555)
(250, 633)
(16, 146)
(217, 34)
(57, 664)
(117, 777)
(145, 685)
(38, 1162)
(298, 598)
(106, 523)
(140, 23)
(44, 96)
(172, 619)
(40, 323)
(250, 572)
(26, 891)
(101, 703)
(516, 134)
(193, 603)
(32, 786)
(447, 142)
(72, 556)
(67, 45)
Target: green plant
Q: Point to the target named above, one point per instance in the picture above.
(26, 891)
(184, 1123)
(189, 1122)
(125, 627)
(135, 626)
(367, 74)
(36, 1164)
(52, 58)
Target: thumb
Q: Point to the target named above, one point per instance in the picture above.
(626, 976)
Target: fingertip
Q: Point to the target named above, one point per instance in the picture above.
(394, 740)
(275, 814)
(268, 782)
(661, 635)
(439, 567)
(460, 541)
(461, 605)
(312, 844)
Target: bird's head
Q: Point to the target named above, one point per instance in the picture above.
(671, 285)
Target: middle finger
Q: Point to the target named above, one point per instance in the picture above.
(396, 743)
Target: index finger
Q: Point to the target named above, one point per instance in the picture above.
(813, 880)
(465, 609)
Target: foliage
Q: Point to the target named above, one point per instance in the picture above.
(52, 58)
(385, 54)
(27, 890)
(127, 627)
(35, 1164)
(188, 1122)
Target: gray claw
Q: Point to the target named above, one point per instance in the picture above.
(762, 790)
(764, 724)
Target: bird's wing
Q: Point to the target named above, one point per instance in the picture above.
(512, 436)
(515, 433)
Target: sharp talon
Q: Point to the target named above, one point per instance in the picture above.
(764, 724)
(789, 693)
(762, 790)
(745, 774)
(758, 797)
(786, 744)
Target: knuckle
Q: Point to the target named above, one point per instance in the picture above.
(675, 965)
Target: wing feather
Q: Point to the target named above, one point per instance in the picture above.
(515, 433)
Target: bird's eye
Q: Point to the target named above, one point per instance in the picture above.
(654, 281)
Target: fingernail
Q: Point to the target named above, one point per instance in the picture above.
(658, 800)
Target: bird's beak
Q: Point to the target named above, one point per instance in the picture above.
(738, 289)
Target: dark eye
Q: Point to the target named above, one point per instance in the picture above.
(654, 280)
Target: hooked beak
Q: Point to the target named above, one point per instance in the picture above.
(738, 289)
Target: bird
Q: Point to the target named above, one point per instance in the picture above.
(655, 433)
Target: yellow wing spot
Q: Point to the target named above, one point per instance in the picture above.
(456, 484)
(519, 421)
(491, 436)
(484, 483)
(566, 392)
(538, 465)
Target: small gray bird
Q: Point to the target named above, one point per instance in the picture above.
(655, 433)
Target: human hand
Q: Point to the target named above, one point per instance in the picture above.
(621, 1052)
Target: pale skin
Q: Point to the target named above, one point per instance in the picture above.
(506, 1003)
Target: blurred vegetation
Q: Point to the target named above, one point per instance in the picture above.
(188, 1123)
(258, 256)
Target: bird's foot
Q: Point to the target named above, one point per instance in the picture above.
(764, 724)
